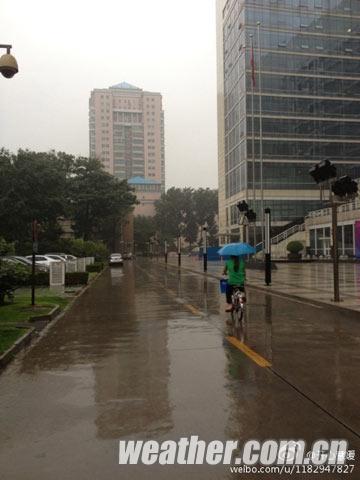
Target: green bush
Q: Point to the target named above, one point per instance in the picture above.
(71, 278)
(295, 246)
(95, 267)
(83, 248)
(76, 278)
(12, 276)
(41, 279)
(6, 248)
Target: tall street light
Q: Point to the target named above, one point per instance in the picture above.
(340, 191)
(8, 63)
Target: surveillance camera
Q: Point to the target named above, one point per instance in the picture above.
(8, 65)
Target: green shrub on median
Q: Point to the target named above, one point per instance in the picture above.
(95, 267)
(76, 278)
(71, 278)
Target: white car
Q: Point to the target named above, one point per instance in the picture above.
(66, 256)
(116, 259)
(56, 257)
(42, 260)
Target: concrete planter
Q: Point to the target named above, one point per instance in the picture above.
(294, 257)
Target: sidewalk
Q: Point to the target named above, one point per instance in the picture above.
(310, 281)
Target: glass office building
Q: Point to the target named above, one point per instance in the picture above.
(310, 79)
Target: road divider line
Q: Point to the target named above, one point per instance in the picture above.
(255, 357)
(193, 309)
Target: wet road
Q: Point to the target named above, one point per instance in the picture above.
(143, 355)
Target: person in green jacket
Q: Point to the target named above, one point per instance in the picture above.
(235, 270)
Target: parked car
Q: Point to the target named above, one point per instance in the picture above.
(66, 256)
(19, 260)
(56, 257)
(116, 259)
(42, 260)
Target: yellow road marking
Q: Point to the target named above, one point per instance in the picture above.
(255, 357)
(192, 309)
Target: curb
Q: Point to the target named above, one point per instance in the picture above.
(274, 292)
(47, 317)
(19, 344)
(44, 324)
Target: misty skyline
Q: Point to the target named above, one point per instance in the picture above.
(66, 50)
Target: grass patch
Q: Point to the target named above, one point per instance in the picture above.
(21, 310)
(8, 335)
(92, 275)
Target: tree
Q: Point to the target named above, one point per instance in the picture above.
(32, 186)
(48, 186)
(185, 211)
(99, 201)
(12, 276)
(206, 211)
(144, 229)
(6, 248)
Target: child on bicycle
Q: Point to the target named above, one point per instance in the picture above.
(235, 270)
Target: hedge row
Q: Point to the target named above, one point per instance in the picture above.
(95, 267)
(71, 278)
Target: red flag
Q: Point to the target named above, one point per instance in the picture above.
(252, 61)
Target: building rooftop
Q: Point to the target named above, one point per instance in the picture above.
(125, 86)
(143, 181)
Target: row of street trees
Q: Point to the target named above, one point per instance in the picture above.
(181, 211)
(54, 185)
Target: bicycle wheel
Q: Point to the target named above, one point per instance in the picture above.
(236, 315)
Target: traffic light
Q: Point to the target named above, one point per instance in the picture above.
(323, 171)
(243, 207)
(345, 187)
(251, 216)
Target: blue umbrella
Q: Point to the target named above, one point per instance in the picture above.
(236, 249)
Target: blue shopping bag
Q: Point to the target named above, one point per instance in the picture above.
(223, 285)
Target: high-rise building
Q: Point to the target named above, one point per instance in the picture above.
(310, 91)
(126, 126)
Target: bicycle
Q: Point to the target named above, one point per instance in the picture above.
(238, 301)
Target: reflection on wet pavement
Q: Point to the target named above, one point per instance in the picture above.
(131, 360)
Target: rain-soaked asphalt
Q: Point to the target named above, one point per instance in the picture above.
(143, 355)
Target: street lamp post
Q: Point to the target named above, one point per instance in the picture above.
(267, 246)
(335, 250)
(166, 251)
(341, 190)
(179, 251)
(34, 229)
(8, 63)
(205, 255)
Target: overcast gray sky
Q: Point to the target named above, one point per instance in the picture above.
(65, 49)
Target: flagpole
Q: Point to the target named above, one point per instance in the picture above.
(261, 139)
(253, 129)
